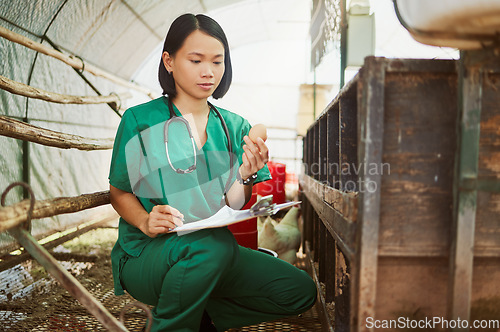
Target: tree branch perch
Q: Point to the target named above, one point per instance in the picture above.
(22, 89)
(24, 131)
(16, 214)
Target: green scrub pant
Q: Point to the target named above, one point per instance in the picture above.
(181, 276)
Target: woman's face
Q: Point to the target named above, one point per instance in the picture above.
(198, 66)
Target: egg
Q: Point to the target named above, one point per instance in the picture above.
(259, 130)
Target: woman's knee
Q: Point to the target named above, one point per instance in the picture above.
(218, 252)
(308, 292)
(301, 294)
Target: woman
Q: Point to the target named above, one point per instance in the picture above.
(162, 176)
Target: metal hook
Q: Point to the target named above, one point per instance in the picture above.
(83, 64)
(118, 105)
(32, 200)
(141, 306)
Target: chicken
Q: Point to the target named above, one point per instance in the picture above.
(262, 220)
(260, 223)
(283, 237)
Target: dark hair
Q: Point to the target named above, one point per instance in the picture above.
(180, 29)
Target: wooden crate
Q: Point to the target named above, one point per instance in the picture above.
(396, 222)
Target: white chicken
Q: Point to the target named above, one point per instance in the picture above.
(262, 220)
(283, 237)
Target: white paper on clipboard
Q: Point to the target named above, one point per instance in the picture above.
(227, 216)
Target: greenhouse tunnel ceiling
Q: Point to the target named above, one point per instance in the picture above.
(116, 35)
(124, 38)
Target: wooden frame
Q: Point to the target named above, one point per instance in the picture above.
(398, 244)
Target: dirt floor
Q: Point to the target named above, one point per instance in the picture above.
(31, 300)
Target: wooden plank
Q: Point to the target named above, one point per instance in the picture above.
(418, 159)
(318, 253)
(323, 149)
(346, 203)
(306, 219)
(316, 162)
(348, 142)
(371, 128)
(322, 253)
(342, 230)
(311, 166)
(305, 154)
(420, 66)
(487, 235)
(416, 287)
(342, 292)
(67, 280)
(413, 287)
(485, 301)
(333, 153)
(331, 263)
(326, 322)
(351, 85)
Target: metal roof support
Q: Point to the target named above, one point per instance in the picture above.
(71, 60)
(114, 106)
(343, 41)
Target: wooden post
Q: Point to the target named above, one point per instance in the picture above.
(470, 83)
(323, 148)
(348, 152)
(331, 265)
(67, 280)
(333, 138)
(371, 127)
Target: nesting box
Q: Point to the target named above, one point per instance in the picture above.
(401, 194)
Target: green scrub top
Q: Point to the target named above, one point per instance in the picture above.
(139, 165)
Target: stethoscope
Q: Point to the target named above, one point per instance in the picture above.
(174, 117)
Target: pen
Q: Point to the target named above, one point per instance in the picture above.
(158, 203)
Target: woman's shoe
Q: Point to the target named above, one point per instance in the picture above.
(206, 323)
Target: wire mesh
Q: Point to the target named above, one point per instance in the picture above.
(31, 300)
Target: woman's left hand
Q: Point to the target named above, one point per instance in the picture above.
(255, 156)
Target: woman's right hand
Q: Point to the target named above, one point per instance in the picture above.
(162, 219)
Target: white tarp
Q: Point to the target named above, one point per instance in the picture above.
(114, 35)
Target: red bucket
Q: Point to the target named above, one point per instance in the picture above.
(245, 232)
(275, 186)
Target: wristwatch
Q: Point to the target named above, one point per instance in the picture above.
(248, 181)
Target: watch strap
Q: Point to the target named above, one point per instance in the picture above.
(248, 181)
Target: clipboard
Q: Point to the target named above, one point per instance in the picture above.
(227, 216)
